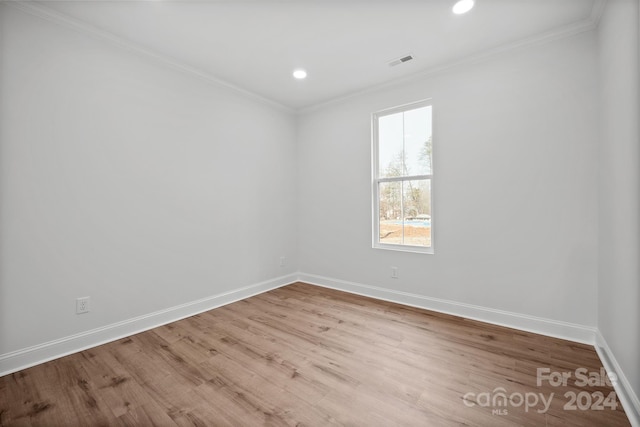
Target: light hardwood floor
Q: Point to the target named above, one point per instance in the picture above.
(304, 355)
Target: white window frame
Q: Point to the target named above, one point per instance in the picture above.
(376, 180)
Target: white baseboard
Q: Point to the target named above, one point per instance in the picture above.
(553, 328)
(27, 357)
(623, 388)
(538, 325)
(31, 356)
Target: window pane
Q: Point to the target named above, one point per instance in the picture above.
(403, 170)
(390, 145)
(417, 212)
(390, 212)
(417, 141)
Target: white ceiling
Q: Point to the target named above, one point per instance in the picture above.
(344, 45)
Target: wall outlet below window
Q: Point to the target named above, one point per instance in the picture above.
(394, 272)
(82, 305)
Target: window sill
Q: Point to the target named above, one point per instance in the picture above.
(405, 248)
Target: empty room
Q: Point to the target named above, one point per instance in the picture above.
(320, 213)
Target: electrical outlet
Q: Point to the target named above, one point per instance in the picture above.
(283, 261)
(394, 272)
(82, 305)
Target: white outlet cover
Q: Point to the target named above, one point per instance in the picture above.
(82, 305)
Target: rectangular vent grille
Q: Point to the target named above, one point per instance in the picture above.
(400, 60)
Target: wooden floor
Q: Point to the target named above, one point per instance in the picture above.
(304, 355)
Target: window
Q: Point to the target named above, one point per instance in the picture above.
(403, 178)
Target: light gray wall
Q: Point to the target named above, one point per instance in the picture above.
(515, 193)
(128, 182)
(115, 173)
(619, 159)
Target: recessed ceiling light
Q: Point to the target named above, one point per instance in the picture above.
(299, 74)
(463, 6)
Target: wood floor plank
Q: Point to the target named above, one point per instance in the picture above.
(149, 414)
(308, 356)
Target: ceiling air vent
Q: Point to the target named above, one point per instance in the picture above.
(400, 60)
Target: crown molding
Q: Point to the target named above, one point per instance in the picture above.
(82, 27)
(564, 32)
(37, 9)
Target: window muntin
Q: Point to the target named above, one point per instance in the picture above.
(403, 178)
